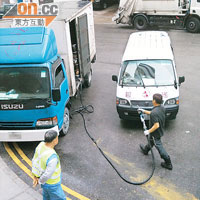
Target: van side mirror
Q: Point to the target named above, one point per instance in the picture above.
(181, 80)
(56, 94)
(114, 78)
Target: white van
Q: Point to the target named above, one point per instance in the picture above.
(147, 67)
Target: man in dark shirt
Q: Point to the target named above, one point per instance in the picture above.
(156, 124)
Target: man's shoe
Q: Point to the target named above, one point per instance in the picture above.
(167, 165)
(144, 151)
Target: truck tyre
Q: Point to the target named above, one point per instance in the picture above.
(193, 25)
(65, 126)
(140, 22)
(88, 79)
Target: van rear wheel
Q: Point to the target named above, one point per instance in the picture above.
(140, 22)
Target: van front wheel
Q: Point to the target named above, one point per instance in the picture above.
(65, 126)
(140, 22)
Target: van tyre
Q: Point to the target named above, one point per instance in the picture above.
(88, 79)
(140, 22)
(65, 126)
(193, 25)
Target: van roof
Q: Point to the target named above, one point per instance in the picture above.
(148, 45)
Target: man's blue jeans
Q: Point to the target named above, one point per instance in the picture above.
(53, 192)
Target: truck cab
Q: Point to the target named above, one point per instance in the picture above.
(34, 91)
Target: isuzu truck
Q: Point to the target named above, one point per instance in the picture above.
(175, 13)
(41, 69)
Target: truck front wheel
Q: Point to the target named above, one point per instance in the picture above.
(65, 126)
(140, 22)
(193, 25)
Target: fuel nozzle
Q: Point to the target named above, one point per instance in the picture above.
(142, 120)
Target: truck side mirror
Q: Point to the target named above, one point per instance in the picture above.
(181, 80)
(56, 94)
(114, 78)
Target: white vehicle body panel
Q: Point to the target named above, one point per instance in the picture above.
(24, 135)
(141, 93)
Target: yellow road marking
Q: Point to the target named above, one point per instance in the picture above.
(166, 191)
(17, 161)
(27, 171)
(22, 154)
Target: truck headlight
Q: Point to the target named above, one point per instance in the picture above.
(47, 122)
(173, 101)
(120, 101)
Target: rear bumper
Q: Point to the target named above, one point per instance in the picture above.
(130, 113)
(24, 135)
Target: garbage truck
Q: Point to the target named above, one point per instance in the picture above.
(42, 69)
(173, 13)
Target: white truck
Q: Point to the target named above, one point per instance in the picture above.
(176, 13)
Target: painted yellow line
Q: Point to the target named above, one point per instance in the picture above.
(28, 161)
(73, 193)
(158, 188)
(22, 154)
(17, 161)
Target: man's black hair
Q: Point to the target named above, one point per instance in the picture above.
(50, 136)
(158, 98)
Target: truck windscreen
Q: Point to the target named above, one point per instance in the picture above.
(24, 83)
(147, 73)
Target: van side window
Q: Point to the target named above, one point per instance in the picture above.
(59, 76)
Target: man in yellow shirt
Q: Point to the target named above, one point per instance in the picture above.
(46, 168)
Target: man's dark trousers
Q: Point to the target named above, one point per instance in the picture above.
(158, 144)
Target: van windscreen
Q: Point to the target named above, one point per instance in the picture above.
(147, 73)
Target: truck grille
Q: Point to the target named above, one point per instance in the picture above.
(142, 103)
(16, 125)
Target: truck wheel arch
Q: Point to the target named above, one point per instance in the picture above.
(140, 18)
